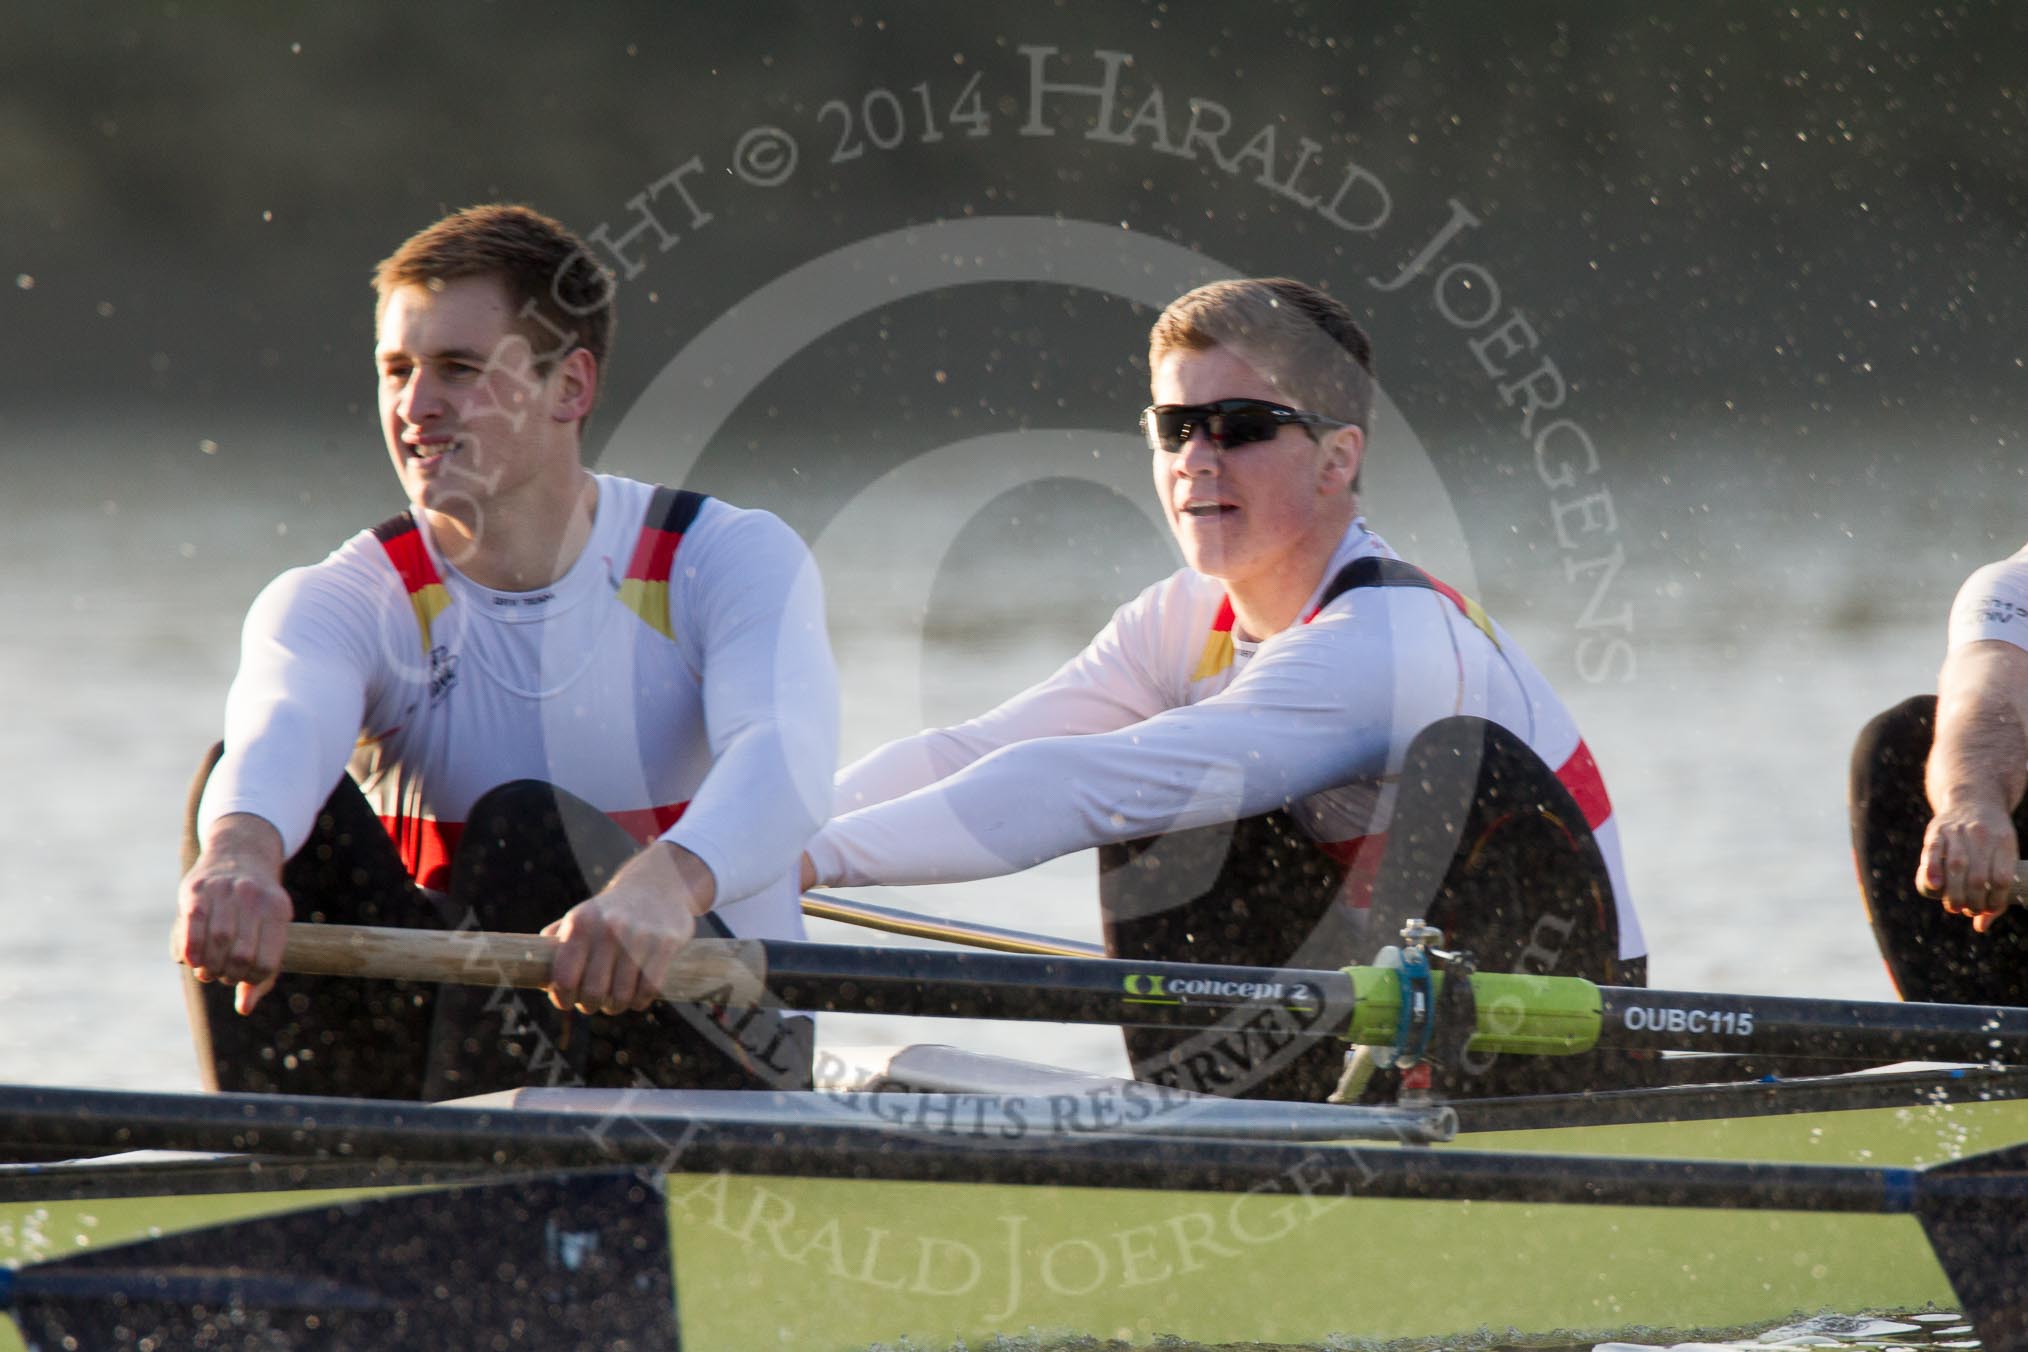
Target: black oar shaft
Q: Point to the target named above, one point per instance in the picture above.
(1784, 1025)
(1057, 990)
(1309, 1003)
(1515, 1013)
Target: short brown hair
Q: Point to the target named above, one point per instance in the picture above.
(562, 298)
(1294, 335)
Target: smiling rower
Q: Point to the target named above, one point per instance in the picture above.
(1235, 738)
(548, 700)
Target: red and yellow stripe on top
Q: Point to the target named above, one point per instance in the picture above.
(426, 844)
(1217, 654)
(1471, 609)
(1378, 572)
(403, 543)
(645, 588)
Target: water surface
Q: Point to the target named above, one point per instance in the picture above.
(1773, 611)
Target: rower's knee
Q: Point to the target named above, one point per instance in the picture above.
(1895, 742)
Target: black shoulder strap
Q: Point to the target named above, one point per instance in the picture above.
(672, 510)
(401, 523)
(1374, 571)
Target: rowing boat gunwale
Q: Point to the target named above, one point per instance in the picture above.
(869, 1180)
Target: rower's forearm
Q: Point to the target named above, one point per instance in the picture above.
(667, 869)
(699, 884)
(1980, 753)
(759, 806)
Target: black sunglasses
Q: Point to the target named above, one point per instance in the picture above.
(1228, 423)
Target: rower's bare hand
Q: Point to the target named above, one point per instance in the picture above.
(616, 948)
(1969, 855)
(232, 914)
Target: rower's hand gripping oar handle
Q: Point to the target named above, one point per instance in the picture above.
(707, 971)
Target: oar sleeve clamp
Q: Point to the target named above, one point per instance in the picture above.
(1415, 1018)
(1397, 1009)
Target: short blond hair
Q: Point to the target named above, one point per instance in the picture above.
(1294, 335)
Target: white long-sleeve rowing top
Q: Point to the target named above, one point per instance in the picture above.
(677, 677)
(1169, 720)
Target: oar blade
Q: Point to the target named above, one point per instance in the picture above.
(578, 1261)
(1975, 1212)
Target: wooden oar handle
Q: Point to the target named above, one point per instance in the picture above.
(710, 971)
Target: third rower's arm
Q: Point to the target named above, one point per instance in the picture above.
(752, 603)
(1104, 688)
(1977, 770)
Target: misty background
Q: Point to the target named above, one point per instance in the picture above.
(1776, 258)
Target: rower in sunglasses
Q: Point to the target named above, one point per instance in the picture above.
(1284, 749)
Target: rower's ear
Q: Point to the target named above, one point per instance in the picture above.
(1344, 453)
